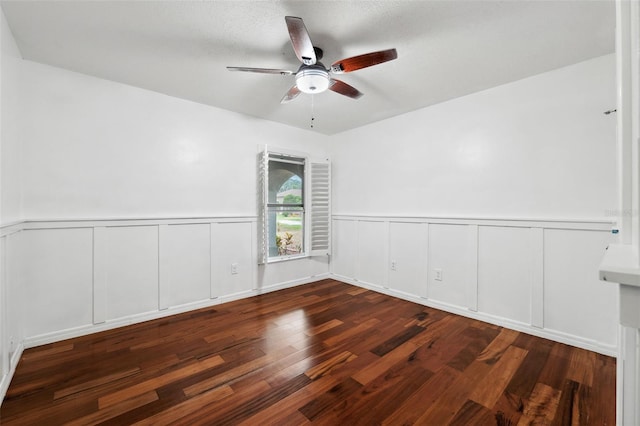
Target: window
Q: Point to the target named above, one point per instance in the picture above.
(293, 207)
(285, 206)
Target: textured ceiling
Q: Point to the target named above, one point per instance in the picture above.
(446, 49)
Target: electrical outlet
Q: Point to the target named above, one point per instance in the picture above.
(438, 274)
(393, 265)
(234, 268)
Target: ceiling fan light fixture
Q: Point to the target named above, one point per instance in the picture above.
(313, 77)
(312, 80)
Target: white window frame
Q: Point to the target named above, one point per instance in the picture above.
(316, 202)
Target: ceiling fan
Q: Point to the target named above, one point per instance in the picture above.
(312, 77)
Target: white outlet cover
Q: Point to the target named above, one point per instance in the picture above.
(438, 274)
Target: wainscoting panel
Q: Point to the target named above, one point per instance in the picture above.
(372, 261)
(576, 302)
(11, 312)
(15, 291)
(57, 280)
(344, 248)
(186, 264)
(537, 276)
(451, 252)
(132, 270)
(505, 264)
(233, 266)
(408, 257)
(4, 350)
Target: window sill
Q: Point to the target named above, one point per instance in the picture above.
(286, 258)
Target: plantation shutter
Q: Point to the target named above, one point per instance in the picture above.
(263, 185)
(320, 209)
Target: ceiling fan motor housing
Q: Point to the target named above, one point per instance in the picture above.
(312, 78)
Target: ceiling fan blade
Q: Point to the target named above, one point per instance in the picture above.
(344, 89)
(362, 61)
(300, 40)
(261, 70)
(291, 95)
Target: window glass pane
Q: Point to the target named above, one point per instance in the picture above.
(286, 238)
(285, 182)
(290, 192)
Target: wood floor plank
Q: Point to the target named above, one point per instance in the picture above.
(407, 349)
(237, 413)
(54, 349)
(368, 339)
(440, 349)
(509, 408)
(351, 368)
(603, 391)
(156, 382)
(95, 382)
(542, 406)
(472, 413)
(326, 402)
(479, 340)
(582, 366)
(322, 353)
(179, 411)
(283, 411)
(452, 398)
(489, 389)
(510, 405)
(204, 406)
(358, 290)
(229, 375)
(572, 406)
(412, 408)
(352, 332)
(382, 394)
(330, 364)
(324, 327)
(285, 368)
(397, 340)
(101, 416)
(555, 369)
(492, 353)
(526, 376)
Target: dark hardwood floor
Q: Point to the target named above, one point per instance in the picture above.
(325, 353)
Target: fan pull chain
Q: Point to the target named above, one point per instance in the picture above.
(312, 111)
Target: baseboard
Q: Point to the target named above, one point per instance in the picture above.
(13, 363)
(292, 283)
(556, 336)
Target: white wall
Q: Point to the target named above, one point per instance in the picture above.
(10, 150)
(538, 147)
(11, 330)
(99, 149)
(510, 192)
